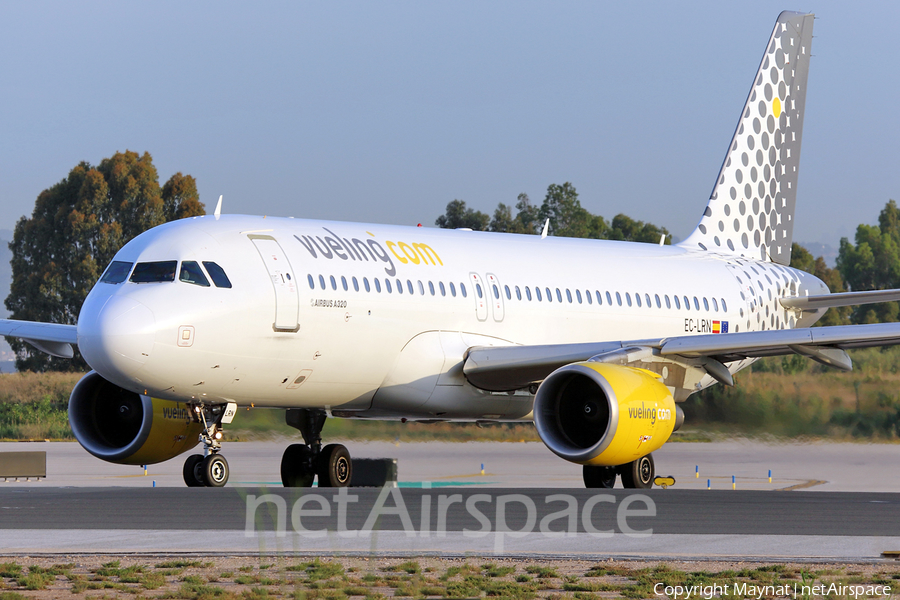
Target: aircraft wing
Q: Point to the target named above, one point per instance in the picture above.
(53, 338)
(504, 368)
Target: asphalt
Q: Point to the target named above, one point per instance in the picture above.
(825, 501)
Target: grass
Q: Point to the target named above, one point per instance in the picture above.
(376, 579)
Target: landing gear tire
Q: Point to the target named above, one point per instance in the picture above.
(638, 474)
(215, 470)
(193, 471)
(296, 466)
(599, 477)
(335, 468)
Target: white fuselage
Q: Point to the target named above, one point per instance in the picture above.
(305, 325)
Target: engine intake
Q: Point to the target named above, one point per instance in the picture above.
(602, 414)
(123, 427)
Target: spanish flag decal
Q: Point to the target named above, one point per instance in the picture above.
(720, 327)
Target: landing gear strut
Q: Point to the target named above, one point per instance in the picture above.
(209, 469)
(301, 463)
(637, 474)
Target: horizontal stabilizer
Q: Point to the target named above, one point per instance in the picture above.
(841, 299)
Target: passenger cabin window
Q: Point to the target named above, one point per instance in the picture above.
(154, 272)
(117, 272)
(321, 282)
(528, 293)
(312, 282)
(452, 289)
(537, 291)
(191, 273)
(217, 274)
(462, 290)
(355, 284)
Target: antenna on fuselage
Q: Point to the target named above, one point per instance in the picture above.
(218, 212)
(545, 229)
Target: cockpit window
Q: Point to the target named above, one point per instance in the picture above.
(117, 272)
(191, 273)
(154, 272)
(217, 274)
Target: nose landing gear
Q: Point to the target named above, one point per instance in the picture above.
(302, 463)
(209, 469)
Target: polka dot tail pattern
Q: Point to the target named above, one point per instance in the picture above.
(751, 209)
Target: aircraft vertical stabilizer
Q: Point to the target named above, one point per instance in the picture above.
(751, 209)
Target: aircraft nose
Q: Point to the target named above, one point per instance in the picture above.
(116, 337)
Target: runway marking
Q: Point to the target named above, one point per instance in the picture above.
(440, 484)
(479, 474)
(807, 484)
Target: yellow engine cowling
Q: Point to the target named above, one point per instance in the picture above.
(604, 415)
(126, 428)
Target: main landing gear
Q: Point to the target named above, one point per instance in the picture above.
(302, 463)
(637, 474)
(209, 469)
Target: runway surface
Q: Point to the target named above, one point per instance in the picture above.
(526, 502)
(817, 466)
(563, 522)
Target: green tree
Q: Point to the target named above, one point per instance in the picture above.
(873, 263)
(802, 259)
(458, 216)
(526, 220)
(567, 217)
(76, 228)
(627, 229)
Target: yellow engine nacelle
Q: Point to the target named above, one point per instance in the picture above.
(126, 428)
(604, 415)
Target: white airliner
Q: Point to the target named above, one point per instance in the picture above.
(596, 341)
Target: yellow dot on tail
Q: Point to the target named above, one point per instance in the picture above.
(776, 107)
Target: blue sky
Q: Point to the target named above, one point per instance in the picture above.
(385, 112)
